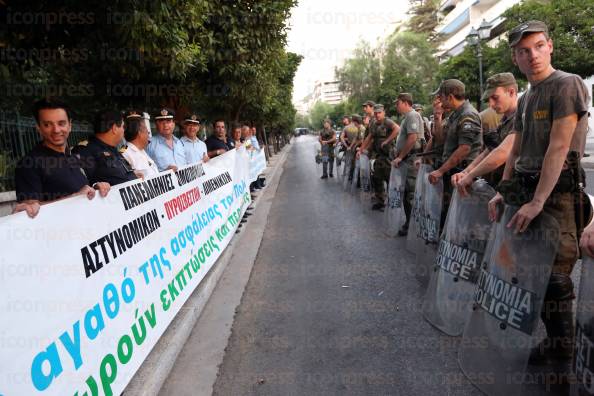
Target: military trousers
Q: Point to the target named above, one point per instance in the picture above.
(409, 187)
(381, 175)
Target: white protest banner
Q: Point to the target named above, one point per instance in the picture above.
(257, 163)
(88, 287)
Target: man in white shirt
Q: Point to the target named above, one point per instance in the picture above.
(137, 138)
(254, 138)
(194, 148)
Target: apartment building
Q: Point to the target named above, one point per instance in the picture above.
(460, 16)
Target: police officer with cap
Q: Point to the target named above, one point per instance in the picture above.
(463, 138)
(137, 138)
(409, 142)
(195, 148)
(368, 117)
(166, 149)
(542, 172)
(101, 159)
(426, 127)
(327, 139)
(502, 95)
(378, 141)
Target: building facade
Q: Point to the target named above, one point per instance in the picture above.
(460, 16)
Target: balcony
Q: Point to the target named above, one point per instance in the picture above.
(447, 5)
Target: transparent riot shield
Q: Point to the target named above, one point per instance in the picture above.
(318, 152)
(365, 176)
(326, 153)
(413, 239)
(460, 251)
(394, 216)
(347, 170)
(583, 357)
(429, 222)
(339, 155)
(356, 176)
(511, 285)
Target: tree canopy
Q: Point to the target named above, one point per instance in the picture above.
(224, 58)
(405, 61)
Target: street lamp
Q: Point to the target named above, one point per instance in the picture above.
(475, 38)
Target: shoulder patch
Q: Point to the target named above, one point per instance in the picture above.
(123, 149)
(83, 143)
(466, 120)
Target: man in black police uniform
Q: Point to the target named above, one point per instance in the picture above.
(50, 172)
(101, 159)
(542, 172)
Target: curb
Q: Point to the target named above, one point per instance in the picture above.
(154, 371)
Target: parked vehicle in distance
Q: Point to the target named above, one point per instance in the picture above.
(301, 131)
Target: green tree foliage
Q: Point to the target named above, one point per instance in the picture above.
(222, 57)
(360, 75)
(318, 113)
(408, 66)
(404, 63)
(570, 23)
(423, 16)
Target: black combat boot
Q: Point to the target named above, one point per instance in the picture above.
(559, 344)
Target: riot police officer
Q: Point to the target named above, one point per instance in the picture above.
(463, 139)
(378, 143)
(327, 139)
(542, 172)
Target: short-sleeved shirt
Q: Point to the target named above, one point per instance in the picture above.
(214, 143)
(139, 160)
(46, 175)
(195, 149)
(490, 120)
(254, 141)
(411, 124)
(165, 156)
(463, 128)
(328, 134)
(103, 163)
(379, 133)
(351, 132)
(559, 95)
(505, 127)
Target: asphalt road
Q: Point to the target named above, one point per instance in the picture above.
(333, 306)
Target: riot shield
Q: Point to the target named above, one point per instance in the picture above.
(460, 251)
(429, 222)
(583, 357)
(395, 217)
(356, 176)
(413, 239)
(365, 176)
(318, 152)
(511, 285)
(326, 153)
(338, 154)
(347, 170)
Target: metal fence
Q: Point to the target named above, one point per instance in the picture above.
(18, 136)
